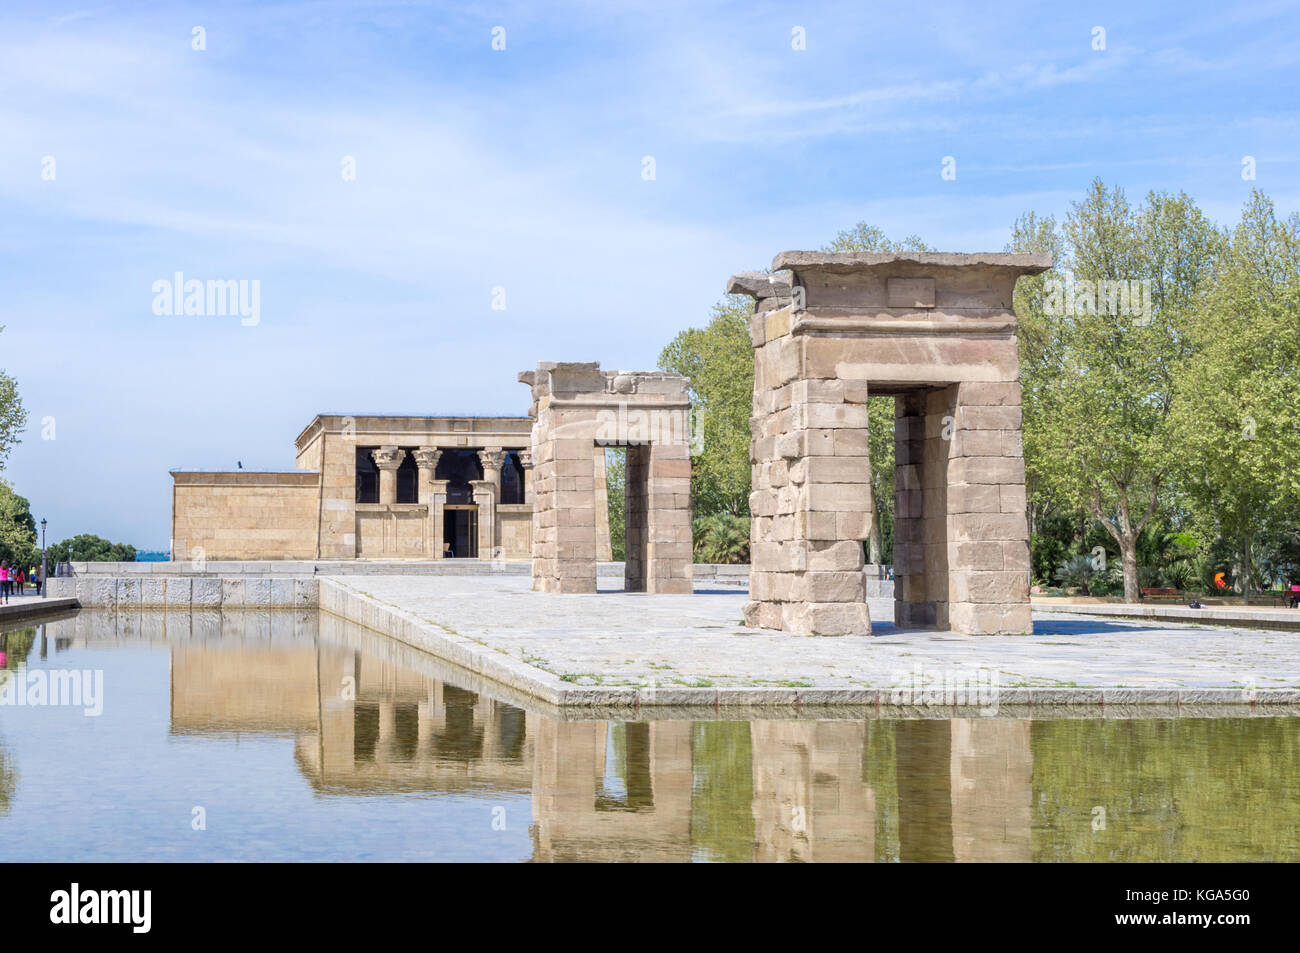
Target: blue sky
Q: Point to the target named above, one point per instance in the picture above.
(522, 169)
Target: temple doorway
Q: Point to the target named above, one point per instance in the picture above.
(460, 529)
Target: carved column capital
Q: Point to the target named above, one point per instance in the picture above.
(492, 458)
(525, 458)
(426, 458)
(388, 458)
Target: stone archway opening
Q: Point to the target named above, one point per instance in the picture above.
(937, 332)
(578, 410)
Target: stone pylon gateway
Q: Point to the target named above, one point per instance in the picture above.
(578, 410)
(938, 334)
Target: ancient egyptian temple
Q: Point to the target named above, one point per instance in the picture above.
(375, 487)
(935, 333)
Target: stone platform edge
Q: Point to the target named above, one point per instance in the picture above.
(29, 608)
(704, 573)
(184, 593)
(341, 599)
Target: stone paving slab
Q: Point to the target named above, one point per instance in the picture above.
(615, 648)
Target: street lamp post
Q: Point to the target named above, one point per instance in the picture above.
(45, 566)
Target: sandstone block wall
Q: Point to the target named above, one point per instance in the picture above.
(936, 332)
(578, 409)
(244, 514)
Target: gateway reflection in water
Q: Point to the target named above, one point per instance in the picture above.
(305, 737)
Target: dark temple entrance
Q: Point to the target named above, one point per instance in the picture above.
(460, 529)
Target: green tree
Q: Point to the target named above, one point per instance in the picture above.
(616, 486)
(880, 410)
(17, 529)
(719, 360)
(1077, 570)
(1056, 521)
(1237, 418)
(13, 416)
(87, 548)
(721, 538)
(1101, 374)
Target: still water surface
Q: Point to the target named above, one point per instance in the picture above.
(296, 736)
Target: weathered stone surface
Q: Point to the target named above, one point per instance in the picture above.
(937, 332)
(153, 591)
(205, 592)
(579, 410)
(177, 592)
(768, 291)
(128, 593)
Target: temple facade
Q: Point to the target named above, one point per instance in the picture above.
(374, 487)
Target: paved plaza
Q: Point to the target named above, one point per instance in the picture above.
(623, 640)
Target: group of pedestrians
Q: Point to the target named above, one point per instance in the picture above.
(15, 581)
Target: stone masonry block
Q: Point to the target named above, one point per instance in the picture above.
(839, 556)
(834, 586)
(153, 591)
(206, 592)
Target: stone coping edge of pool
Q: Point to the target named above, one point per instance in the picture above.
(34, 606)
(723, 573)
(186, 593)
(243, 590)
(415, 658)
(340, 599)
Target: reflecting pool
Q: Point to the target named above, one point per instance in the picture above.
(298, 736)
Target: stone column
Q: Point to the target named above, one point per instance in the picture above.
(526, 461)
(567, 493)
(426, 458)
(492, 459)
(437, 515)
(485, 498)
(388, 459)
(987, 541)
(812, 498)
(668, 563)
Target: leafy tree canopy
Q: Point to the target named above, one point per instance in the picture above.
(87, 548)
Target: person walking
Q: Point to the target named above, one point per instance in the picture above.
(21, 581)
(6, 581)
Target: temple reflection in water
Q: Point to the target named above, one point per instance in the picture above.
(370, 716)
